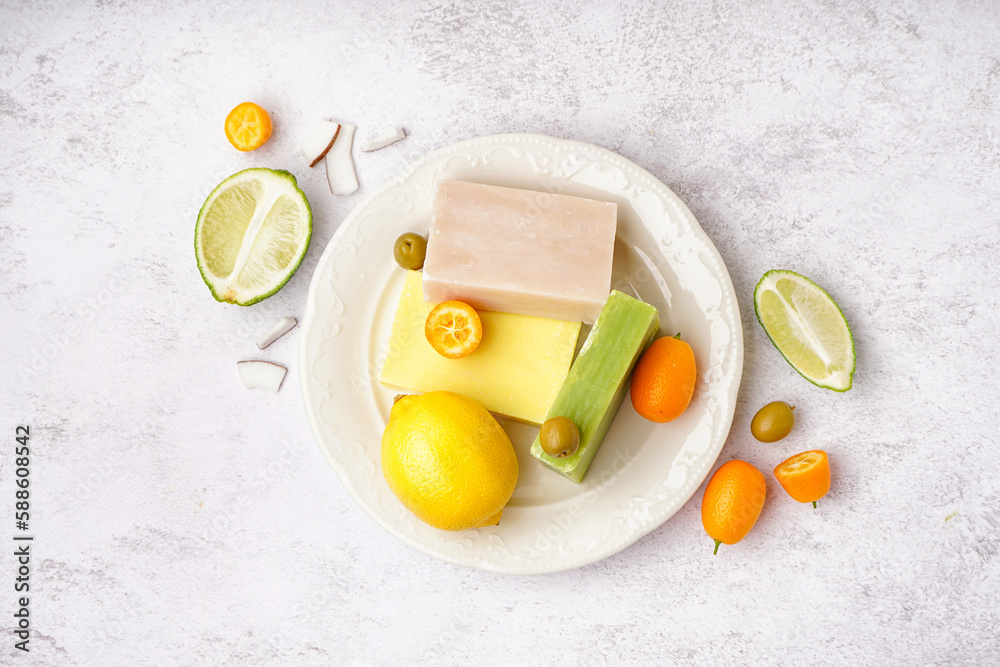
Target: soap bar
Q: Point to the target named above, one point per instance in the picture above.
(597, 382)
(516, 371)
(520, 251)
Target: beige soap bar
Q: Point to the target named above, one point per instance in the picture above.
(520, 251)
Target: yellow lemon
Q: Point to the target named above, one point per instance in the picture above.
(448, 460)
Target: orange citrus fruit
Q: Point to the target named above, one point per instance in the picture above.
(453, 329)
(733, 500)
(663, 381)
(248, 126)
(805, 476)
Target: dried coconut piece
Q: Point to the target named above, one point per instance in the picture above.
(390, 136)
(320, 141)
(340, 172)
(261, 374)
(283, 326)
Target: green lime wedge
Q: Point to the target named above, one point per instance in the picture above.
(251, 235)
(807, 327)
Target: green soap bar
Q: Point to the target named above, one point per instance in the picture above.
(597, 381)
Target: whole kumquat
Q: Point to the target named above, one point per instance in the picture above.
(453, 329)
(805, 476)
(663, 381)
(248, 126)
(733, 500)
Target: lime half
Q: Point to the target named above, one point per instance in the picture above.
(252, 233)
(807, 327)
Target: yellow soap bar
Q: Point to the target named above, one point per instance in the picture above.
(516, 371)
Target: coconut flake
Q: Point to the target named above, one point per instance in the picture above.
(283, 326)
(340, 172)
(390, 136)
(261, 374)
(320, 140)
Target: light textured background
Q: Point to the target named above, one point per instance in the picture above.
(181, 519)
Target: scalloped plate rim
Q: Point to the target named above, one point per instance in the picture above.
(481, 562)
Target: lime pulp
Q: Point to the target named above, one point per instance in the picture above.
(251, 235)
(808, 328)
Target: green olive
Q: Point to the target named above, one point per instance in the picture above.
(773, 421)
(409, 251)
(559, 437)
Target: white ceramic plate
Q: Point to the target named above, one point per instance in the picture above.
(643, 473)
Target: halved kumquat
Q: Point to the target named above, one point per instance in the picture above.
(453, 329)
(805, 476)
(248, 126)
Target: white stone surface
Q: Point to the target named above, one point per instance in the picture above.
(181, 519)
